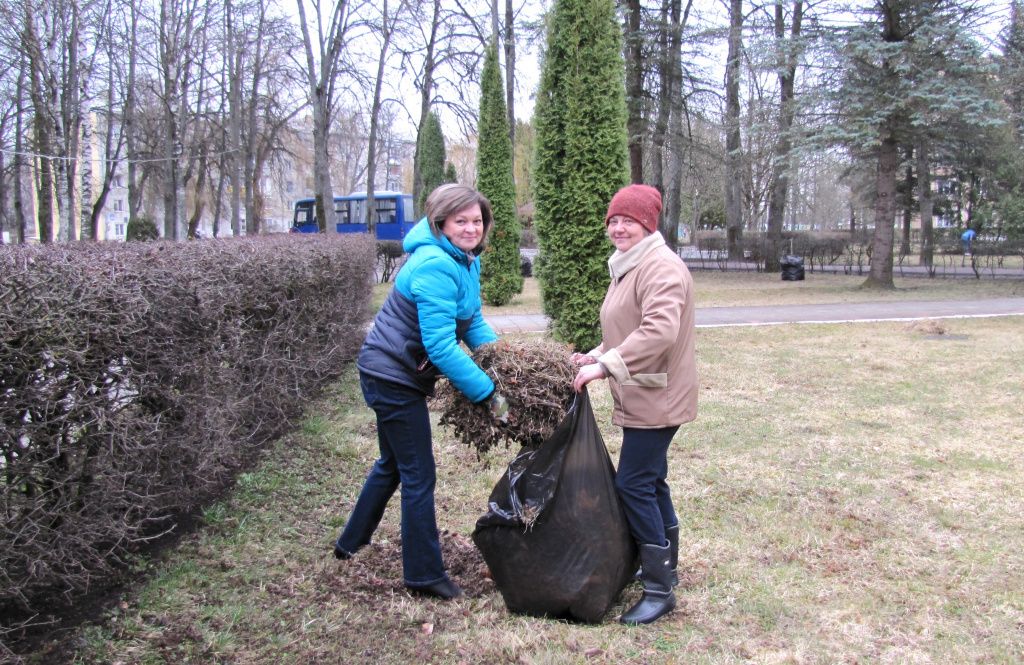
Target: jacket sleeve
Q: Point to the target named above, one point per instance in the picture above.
(434, 288)
(480, 332)
(662, 295)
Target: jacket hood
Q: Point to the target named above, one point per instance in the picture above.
(421, 236)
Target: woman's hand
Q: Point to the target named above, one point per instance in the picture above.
(580, 359)
(498, 406)
(588, 373)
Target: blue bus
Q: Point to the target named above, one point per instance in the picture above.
(393, 214)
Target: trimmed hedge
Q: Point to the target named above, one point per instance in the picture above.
(135, 379)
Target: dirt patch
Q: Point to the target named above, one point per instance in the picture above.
(926, 327)
(43, 633)
(377, 568)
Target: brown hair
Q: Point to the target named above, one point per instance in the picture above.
(451, 198)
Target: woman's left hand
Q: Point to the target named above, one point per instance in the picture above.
(587, 374)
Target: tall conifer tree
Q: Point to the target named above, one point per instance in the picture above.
(581, 161)
(430, 158)
(501, 277)
(911, 72)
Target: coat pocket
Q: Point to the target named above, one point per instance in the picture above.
(659, 380)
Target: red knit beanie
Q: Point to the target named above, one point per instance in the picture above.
(639, 202)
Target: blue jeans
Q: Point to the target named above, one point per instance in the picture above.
(406, 459)
(640, 482)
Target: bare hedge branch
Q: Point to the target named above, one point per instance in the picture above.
(135, 379)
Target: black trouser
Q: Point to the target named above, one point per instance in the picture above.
(640, 481)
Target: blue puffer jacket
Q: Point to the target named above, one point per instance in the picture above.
(434, 305)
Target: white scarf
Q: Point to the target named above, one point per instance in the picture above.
(620, 263)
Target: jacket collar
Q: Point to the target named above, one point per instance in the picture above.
(620, 263)
(422, 234)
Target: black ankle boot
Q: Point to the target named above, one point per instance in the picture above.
(658, 599)
(445, 590)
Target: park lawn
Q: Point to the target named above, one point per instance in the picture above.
(716, 288)
(737, 289)
(848, 493)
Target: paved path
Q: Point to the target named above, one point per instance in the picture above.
(943, 269)
(902, 310)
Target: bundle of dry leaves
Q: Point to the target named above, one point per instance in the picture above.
(534, 376)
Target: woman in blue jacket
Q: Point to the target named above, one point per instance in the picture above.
(434, 305)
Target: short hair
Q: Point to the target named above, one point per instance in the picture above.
(451, 198)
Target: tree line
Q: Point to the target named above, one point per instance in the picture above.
(752, 116)
(832, 115)
(193, 104)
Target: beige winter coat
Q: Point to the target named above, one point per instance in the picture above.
(648, 335)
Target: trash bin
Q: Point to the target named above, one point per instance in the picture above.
(792, 268)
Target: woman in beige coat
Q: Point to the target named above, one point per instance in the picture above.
(647, 352)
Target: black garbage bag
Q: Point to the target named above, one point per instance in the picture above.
(792, 268)
(555, 536)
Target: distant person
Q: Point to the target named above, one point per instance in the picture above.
(647, 352)
(433, 307)
(967, 239)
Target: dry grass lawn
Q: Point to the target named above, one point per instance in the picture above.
(849, 493)
(736, 289)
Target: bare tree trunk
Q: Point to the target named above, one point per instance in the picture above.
(111, 155)
(252, 164)
(234, 62)
(71, 122)
(113, 139)
(254, 200)
(666, 94)
(197, 211)
(18, 165)
(634, 91)
(926, 203)
(787, 62)
(3, 193)
(196, 162)
(678, 156)
(387, 30)
(880, 275)
(908, 202)
(679, 143)
(44, 187)
(321, 94)
(42, 128)
(733, 145)
(670, 104)
(218, 196)
(131, 151)
(172, 143)
(85, 213)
